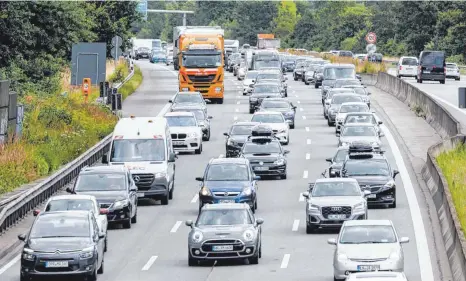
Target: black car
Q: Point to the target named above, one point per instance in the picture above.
(265, 153)
(298, 71)
(260, 92)
(318, 77)
(284, 106)
(63, 244)
(431, 67)
(373, 173)
(288, 64)
(114, 190)
(237, 136)
(143, 52)
(337, 161)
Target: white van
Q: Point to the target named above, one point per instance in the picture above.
(144, 146)
(407, 67)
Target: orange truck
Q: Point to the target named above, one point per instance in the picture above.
(201, 62)
(267, 41)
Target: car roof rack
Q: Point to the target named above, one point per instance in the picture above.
(262, 130)
(363, 150)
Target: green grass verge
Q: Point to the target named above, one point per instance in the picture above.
(132, 84)
(453, 165)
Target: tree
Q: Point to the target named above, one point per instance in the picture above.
(286, 19)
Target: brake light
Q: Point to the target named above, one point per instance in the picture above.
(401, 67)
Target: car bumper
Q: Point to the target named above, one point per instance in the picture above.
(453, 75)
(282, 137)
(432, 76)
(382, 198)
(158, 187)
(318, 220)
(297, 74)
(240, 251)
(271, 170)
(341, 269)
(227, 199)
(75, 267)
(331, 118)
(188, 144)
(233, 150)
(117, 216)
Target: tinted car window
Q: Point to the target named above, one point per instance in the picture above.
(188, 99)
(359, 131)
(268, 118)
(409, 61)
(70, 205)
(336, 189)
(259, 89)
(66, 226)
(354, 108)
(241, 130)
(367, 234)
(433, 58)
(339, 73)
(223, 217)
(227, 172)
(275, 104)
(181, 121)
(101, 182)
(133, 150)
(253, 148)
(367, 168)
(343, 99)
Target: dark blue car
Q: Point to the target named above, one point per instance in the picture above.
(228, 180)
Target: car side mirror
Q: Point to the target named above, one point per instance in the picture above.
(36, 212)
(286, 152)
(101, 236)
(22, 237)
(189, 223)
(332, 241)
(305, 194)
(210, 117)
(69, 190)
(170, 101)
(329, 160)
(133, 189)
(226, 134)
(404, 240)
(105, 159)
(380, 122)
(395, 173)
(171, 157)
(259, 221)
(200, 178)
(103, 211)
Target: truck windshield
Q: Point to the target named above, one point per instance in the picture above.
(136, 150)
(202, 61)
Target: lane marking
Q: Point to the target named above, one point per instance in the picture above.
(307, 129)
(236, 110)
(237, 102)
(301, 109)
(164, 110)
(304, 117)
(10, 264)
(149, 263)
(235, 118)
(285, 261)
(194, 200)
(295, 225)
(416, 217)
(298, 102)
(296, 96)
(305, 174)
(308, 141)
(308, 156)
(301, 197)
(176, 226)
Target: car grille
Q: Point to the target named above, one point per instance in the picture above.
(145, 180)
(226, 194)
(342, 210)
(203, 89)
(105, 205)
(237, 244)
(179, 136)
(369, 260)
(258, 161)
(204, 78)
(373, 188)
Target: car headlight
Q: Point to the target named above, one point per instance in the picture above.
(218, 89)
(345, 143)
(282, 131)
(197, 237)
(192, 135)
(288, 113)
(325, 87)
(313, 207)
(248, 235)
(206, 191)
(185, 89)
(253, 99)
(87, 253)
(359, 207)
(120, 204)
(247, 191)
(389, 185)
(279, 162)
(232, 142)
(28, 254)
(375, 144)
(395, 256)
(340, 120)
(342, 257)
(160, 175)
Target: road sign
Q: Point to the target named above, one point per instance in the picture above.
(142, 8)
(371, 38)
(371, 48)
(117, 41)
(86, 87)
(116, 53)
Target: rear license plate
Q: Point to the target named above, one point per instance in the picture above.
(227, 201)
(337, 217)
(55, 264)
(409, 68)
(371, 196)
(368, 267)
(178, 142)
(222, 248)
(140, 194)
(261, 168)
(425, 71)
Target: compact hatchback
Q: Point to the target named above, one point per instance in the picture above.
(407, 67)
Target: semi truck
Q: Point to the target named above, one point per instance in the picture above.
(201, 62)
(267, 41)
(231, 46)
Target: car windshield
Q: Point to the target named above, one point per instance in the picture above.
(451, 65)
(339, 73)
(262, 89)
(159, 54)
(227, 172)
(275, 104)
(272, 76)
(346, 98)
(101, 182)
(359, 131)
(368, 234)
(366, 168)
(202, 61)
(341, 83)
(268, 118)
(143, 49)
(188, 98)
(324, 189)
(341, 156)
(354, 108)
(181, 121)
(244, 130)
(60, 226)
(135, 150)
(70, 205)
(224, 217)
(433, 58)
(409, 61)
(360, 91)
(331, 93)
(267, 148)
(360, 119)
(198, 113)
(252, 75)
(263, 63)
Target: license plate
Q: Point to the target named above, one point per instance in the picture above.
(55, 264)
(425, 71)
(368, 267)
(178, 142)
(140, 194)
(222, 248)
(227, 201)
(337, 217)
(371, 196)
(261, 168)
(409, 68)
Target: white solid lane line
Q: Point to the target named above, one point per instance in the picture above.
(149, 263)
(308, 141)
(305, 174)
(236, 110)
(220, 156)
(296, 96)
(298, 102)
(308, 156)
(295, 225)
(176, 226)
(418, 225)
(194, 200)
(10, 264)
(237, 102)
(285, 261)
(307, 129)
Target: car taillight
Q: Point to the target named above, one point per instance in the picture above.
(401, 67)
(444, 69)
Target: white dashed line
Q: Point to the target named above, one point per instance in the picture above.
(285, 261)
(176, 226)
(235, 118)
(237, 110)
(301, 197)
(305, 174)
(10, 264)
(307, 129)
(295, 225)
(150, 262)
(304, 117)
(301, 109)
(237, 102)
(308, 156)
(298, 102)
(308, 141)
(194, 200)
(296, 96)
(220, 156)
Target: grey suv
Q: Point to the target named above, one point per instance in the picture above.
(225, 231)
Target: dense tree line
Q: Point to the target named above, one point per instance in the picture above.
(36, 37)
(402, 27)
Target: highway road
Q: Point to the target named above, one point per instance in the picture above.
(156, 247)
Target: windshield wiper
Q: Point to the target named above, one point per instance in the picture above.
(261, 154)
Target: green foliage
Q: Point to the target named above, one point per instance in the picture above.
(132, 84)
(286, 19)
(120, 73)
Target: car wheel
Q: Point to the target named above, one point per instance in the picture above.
(260, 251)
(442, 81)
(198, 151)
(305, 82)
(255, 204)
(220, 101)
(399, 76)
(93, 276)
(393, 205)
(316, 86)
(295, 78)
(165, 199)
(24, 278)
(458, 79)
(254, 259)
(135, 218)
(310, 228)
(283, 177)
(329, 123)
(101, 268)
(191, 261)
(170, 193)
(127, 224)
(251, 110)
(292, 126)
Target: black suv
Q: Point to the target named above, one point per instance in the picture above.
(260, 92)
(337, 161)
(431, 67)
(237, 136)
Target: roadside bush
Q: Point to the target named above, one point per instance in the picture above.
(131, 86)
(120, 73)
(361, 66)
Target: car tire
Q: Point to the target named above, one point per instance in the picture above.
(135, 218)
(316, 86)
(251, 111)
(93, 276)
(191, 261)
(255, 204)
(200, 206)
(292, 126)
(458, 79)
(170, 193)
(24, 278)
(399, 76)
(393, 205)
(305, 82)
(254, 259)
(260, 251)
(165, 200)
(220, 101)
(295, 78)
(206, 138)
(101, 268)
(442, 81)
(310, 229)
(329, 123)
(198, 151)
(127, 224)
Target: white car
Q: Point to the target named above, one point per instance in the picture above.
(348, 107)
(276, 121)
(453, 71)
(406, 67)
(377, 276)
(186, 134)
(249, 80)
(71, 203)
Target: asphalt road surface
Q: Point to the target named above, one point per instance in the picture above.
(156, 247)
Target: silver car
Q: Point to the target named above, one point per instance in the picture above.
(363, 118)
(225, 231)
(367, 245)
(327, 98)
(359, 132)
(348, 107)
(336, 102)
(332, 201)
(377, 276)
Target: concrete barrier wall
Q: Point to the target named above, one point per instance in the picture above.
(448, 127)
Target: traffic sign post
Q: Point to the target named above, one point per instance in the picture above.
(86, 88)
(142, 8)
(371, 48)
(371, 38)
(116, 51)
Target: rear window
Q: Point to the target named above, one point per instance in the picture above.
(451, 65)
(339, 73)
(433, 58)
(409, 61)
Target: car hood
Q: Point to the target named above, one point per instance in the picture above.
(368, 251)
(184, 130)
(247, 82)
(262, 158)
(226, 186)
(328, 82)
(341, 115)
(144, 167)
(359, 138)
(239, 138)
(372, 180)
(337, 200)
(282, 110)
(188, 104)
(62, 244)
(264, 95)
(105, 196)
(227, 231)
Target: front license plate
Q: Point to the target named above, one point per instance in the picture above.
(371, 196)
(368, 267)
(337, 217)
(55, 264)
(140, 194)
(222, 248)
(425, 71)
(227, 201)
(261, 168)
(178, 142)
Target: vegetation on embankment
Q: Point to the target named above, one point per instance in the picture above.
(452, 164)
(361, 66)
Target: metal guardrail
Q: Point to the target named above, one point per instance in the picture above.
(18, 206)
